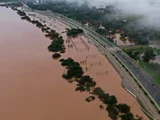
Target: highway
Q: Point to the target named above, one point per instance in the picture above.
(132, 75)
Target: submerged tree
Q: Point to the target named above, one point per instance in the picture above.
(74, 32)
(56, 55)
(123, 108)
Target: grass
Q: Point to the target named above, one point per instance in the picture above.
(133, 47)
(140, 48)
(153, 69)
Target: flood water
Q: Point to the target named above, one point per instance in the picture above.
(31, 86)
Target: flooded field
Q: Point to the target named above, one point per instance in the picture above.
(31, 84)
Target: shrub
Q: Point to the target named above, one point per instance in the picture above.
(52, 35)
(112, 100)
(101, 106)
(74, 69)
(98, 91)
(56, 55)
(87, 81)
(127, 116)
(61, 60)
(123, 108)
(56, 45)
(90, 98)
(26, 18)
(74, 32)
(113, 112)
(80, 88)
(21, 13)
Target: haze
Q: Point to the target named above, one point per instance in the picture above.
(147, 9)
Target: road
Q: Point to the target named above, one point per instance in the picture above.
(110, 50)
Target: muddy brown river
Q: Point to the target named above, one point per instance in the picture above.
(31, 86)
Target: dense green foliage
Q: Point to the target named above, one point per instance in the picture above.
(56, 55)
(127, 116)
(74, 70)
(113, 112)
(74, 32)
(90, 98)
(148, 55)
(26, 18)
(21, 13)
(97, 16)
(112, 107)
(123, 108)
(87, 82)
(36, 22)
(52, 34)
(56, 45)
(143, 55)
(105, 97)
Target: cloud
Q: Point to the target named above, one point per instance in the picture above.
(149, 10)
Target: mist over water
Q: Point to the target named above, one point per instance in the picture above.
(148, 10)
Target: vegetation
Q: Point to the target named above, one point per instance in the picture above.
(56, 55)
(101, 106)
(56, 45)
(74, 32)
(36, 22)
(26, 18)
(123, 108)
(142, 53)
(95, 17)
(127, 116)
(74, 70)
(113, 112)
(90, 98)
(153, 69)
(148, 55)
(144, 56)
(80, 88)
(21, 13)
(87, 82)
(52, 34)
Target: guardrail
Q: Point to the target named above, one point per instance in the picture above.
(150, 97)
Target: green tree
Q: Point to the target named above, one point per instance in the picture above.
(112, 100)
(148, 55)
(113, 112)
(123, 108)
(127, 116)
